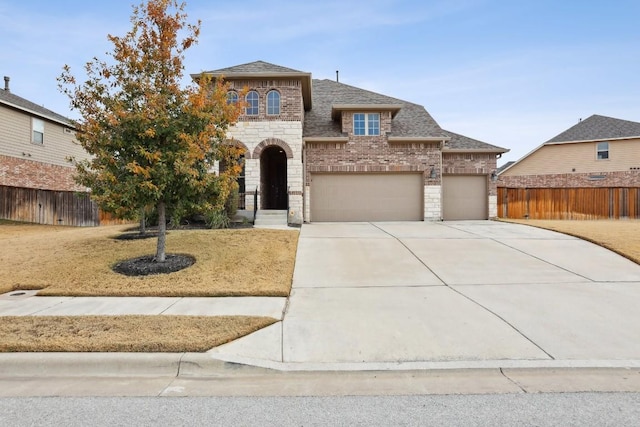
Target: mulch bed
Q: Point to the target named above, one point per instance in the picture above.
(147, 265)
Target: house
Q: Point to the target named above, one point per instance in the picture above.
(320, 150)
(596, 152)
(589, 171)
(36, 176)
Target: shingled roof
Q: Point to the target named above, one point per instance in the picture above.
(464, 143)
(411, 121)
(597, 128)
(14, 101)
(256, 67)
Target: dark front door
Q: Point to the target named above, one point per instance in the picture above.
(273, 178)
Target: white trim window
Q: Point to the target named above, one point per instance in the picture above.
(602, 150)
(252, 103)
(232, 97)
(366, 124)
(273, 103)
(37, 131)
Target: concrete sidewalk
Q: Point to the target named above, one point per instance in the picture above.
(25, 303)
(399, 296)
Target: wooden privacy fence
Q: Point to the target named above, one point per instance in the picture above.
(569, 203)
(51, 207)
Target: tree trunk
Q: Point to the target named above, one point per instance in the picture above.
(143, 221)
(162, 233)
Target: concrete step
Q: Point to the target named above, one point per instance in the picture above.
(271, 217)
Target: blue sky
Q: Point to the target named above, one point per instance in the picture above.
(513, 73)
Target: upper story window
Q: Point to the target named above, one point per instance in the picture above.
(366, 124)
(37, 131)
(602, 151)
(273, 103)
(232, 97)
(252, 103)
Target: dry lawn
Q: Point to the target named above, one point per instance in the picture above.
(78, 261)
(621, 236)
(123, 333)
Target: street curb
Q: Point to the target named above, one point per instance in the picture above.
(195, 365)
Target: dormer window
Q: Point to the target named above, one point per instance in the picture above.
(366, 124)
(273, 103)
(252, 103)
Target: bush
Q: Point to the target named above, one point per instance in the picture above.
(231, 204)
(218, 219)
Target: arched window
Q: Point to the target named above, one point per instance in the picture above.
(252, 103)
(232, 97)
(273, 103)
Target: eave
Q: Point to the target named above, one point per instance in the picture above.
(337, 109)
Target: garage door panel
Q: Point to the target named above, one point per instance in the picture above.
(465, 197)
(366, 197)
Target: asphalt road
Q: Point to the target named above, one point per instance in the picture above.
(568, 409)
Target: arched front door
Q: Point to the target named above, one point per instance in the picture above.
(273, 178)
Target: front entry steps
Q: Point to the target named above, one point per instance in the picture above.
(269, 218)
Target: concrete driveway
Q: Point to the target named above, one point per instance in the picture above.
(471, 293)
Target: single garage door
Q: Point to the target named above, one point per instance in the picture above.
(464, 197)
(366, 197)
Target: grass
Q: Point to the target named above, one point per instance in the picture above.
(620, 236)
(77, 262)
(123, 333)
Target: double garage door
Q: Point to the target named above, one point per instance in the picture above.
(393, 197)
(367, 197)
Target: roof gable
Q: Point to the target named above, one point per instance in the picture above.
(597, 128)
(261, 69)
(14, 101)
(258, 67)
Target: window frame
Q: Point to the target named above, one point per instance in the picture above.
(250, 107)
(232, 97)
(37, 128)
(370, 124)
(602, 153)
(273, 112)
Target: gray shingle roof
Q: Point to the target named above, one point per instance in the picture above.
(254, 67)
(15, 101)
(461, 142)
(598, 128)
(412, 120)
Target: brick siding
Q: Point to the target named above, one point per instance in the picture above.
(15, 172)
(573, 180)
(471, 164)
(291, 108)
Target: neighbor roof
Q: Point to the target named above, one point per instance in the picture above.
(597, 128)
(16, 102)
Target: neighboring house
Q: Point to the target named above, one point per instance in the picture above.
(326, 151)
(589, 171)
(36, 176)
(35, 145)
(597, 152)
